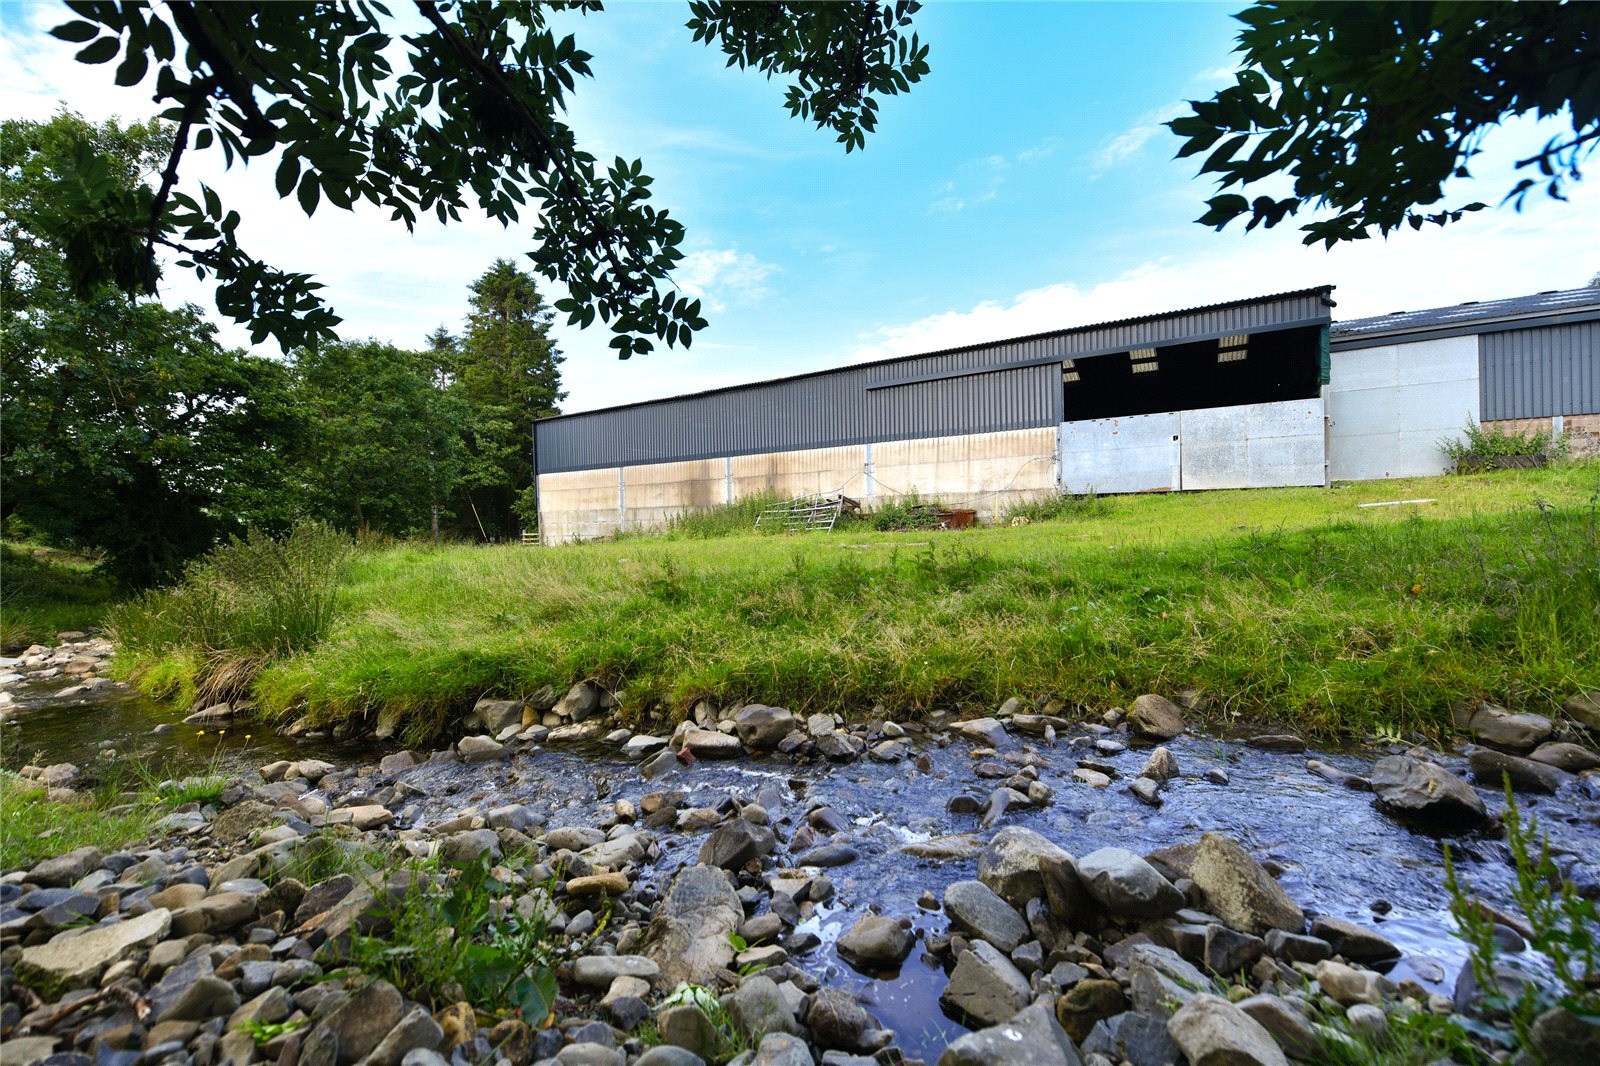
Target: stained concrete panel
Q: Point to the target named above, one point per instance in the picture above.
(988, 472)
(802, 473)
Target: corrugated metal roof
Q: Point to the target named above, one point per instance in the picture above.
(1473, 312)
(875, 366)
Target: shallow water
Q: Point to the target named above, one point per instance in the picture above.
(1338, 855)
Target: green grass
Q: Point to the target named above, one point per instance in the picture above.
(34, 827)
(1290, 606)
(44, 591)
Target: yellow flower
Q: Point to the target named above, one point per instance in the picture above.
(200, 732)
(222, 732)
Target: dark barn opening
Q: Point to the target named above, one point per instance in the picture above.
(1225, 372)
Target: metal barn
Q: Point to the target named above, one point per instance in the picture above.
(1251, 393)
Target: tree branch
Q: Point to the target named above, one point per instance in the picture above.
(199, 92)
(256, 125)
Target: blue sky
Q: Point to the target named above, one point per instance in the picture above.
(1025, 185)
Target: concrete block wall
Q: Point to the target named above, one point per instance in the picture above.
(1582, 431)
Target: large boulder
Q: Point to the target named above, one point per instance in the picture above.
(1239, 890)
(985, 987)
(761, 727)
(1155, 716)
(1031, 1037)
(1019, 865)
(1126, 885)
(737, 843)
(875, 944)
(1213, 1032)
(1499, 727)
(1426, 794)
(494, 716)
(976, 910)
(75, 959)
(1493, 769)
(688, 937)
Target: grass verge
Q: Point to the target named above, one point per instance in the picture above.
(44, 591)
(1294, 606)
(35, 827)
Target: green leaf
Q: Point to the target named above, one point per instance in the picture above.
(102, 51)
(76, 32)
(309, 194)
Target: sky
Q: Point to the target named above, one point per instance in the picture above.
(1025, 185)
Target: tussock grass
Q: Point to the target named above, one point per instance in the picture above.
(35, 827)
(1291, 606)
(238, 607)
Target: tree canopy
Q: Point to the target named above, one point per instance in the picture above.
(465, 110)
(1370, 108)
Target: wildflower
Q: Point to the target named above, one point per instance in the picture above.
(222, 732)
(200, 732)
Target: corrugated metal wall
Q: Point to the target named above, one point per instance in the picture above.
(1536, 373)
(877, 402)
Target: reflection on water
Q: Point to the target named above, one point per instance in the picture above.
(1338, 856)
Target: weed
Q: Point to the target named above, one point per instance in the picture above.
(263, 1033)
(730, 1040)
(459, 940)
(1496, 442)
(1566, 931)
(1414, 1038)
(1060, 507)
(903, 514)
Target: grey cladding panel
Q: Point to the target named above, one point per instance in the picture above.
(1019, 387)
(1536, 373)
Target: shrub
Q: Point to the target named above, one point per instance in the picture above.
(1495, 442)
(1566, 931)
(902, 515)
(241, 605)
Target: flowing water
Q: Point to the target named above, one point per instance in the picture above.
(1338, 855)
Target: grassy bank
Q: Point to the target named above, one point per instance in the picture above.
(1293, 605)
(44, 591)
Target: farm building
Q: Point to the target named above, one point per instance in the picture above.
(1253, 393)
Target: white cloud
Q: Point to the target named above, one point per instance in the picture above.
(718, 277)
(1123, 147)
(1490, 255)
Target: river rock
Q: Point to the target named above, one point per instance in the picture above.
(759, 1008)
(876, 943)
(495, 716)
(1286, 1023)
(736, 843)
(641, 744)
(985, 987)
(1161, 766)
(1146, 791)
(581, 703)
(1415, 790)
(761, 727)
(1031, 1037)
(1019, 865)
(76, 960)
(1573, 758)
(1584, 709)
(1354, 942)
(418, 1032)
(781, 1049)
(688, 937)
(466, 847)
(837, 1021)
(1134, 1038)
(710, 744)
(364, 1020)
(205, 997)
(481, 749)
(974, 908)
(1239, 890)
(988, 731)
(599, 971)
(63, 870)
(1347, 985)
(1499, 727)
(1087, 1003)
(1155, 716)
(1124, 884)
(1213, 1032)
(1492, 769)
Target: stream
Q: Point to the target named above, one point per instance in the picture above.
(1337, 855)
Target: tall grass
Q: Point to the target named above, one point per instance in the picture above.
(1291, 606)
(44, 591)
(245, 603)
